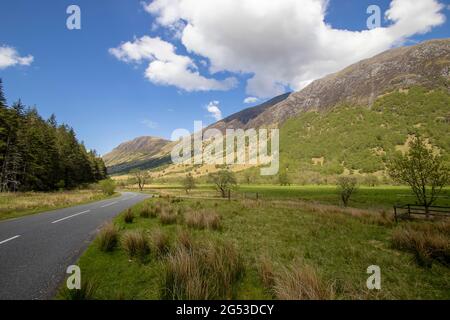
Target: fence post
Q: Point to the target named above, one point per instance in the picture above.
(257, 196)
(229, 195)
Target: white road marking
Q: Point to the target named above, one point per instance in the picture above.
(74, 215)
(5, 241)
(109, 204)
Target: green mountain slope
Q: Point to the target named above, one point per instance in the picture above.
(360, 138)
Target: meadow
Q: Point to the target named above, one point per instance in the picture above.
(271, 248)
(15, 205)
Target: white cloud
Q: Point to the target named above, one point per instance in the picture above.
(150, 124)
(214, 110)
(285, 43)
(10, 57)
(166, 67)
(250, 100)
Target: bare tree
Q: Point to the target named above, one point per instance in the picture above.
(141, 177)
(422, 169)
(346, 187)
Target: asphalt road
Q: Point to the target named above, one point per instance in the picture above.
(36, 250)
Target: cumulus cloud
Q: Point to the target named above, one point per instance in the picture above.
(286, 43)
(10, 57)
(250, 100)
(166, 67)
(214, 110)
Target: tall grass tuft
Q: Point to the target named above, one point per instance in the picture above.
(128, 217)
(108, 237)
(167, 216)
(147, 211)
(185, 240)
(267, 273)
(301, 282)
(202, 220)
(427, 241)
(205, 272)
(135, 244)
(86, 292)
(160, 242)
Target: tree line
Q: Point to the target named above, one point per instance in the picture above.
(39, 154)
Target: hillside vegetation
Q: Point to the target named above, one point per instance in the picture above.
(360, 138)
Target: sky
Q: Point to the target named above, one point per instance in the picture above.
(146, 68)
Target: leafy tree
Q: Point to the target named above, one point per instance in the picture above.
(188, 183)
(141, 177)
(37, 154)
(422, 169)
(224, 181)
(347, 186)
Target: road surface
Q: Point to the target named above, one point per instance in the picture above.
(36, 250)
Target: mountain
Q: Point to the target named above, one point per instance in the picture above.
(135, 153)
(242, 118)
(354, 119)
(426, 64)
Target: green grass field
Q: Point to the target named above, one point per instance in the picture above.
(339, 244)
(381, 197)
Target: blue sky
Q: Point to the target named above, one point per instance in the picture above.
(109, 101)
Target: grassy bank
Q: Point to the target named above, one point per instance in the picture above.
(14, 205)
(250, 249)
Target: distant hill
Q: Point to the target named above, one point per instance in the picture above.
(135, 153)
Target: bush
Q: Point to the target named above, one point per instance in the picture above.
(108, 237)
(135, 244)
(203, 220)
(107, 186)
(301, 282)
(427, 241)
(346, 187)
(128, 217)
(206, 272)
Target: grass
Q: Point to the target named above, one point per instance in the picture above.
(335, 247)
(427, 241)
(15, 205)
(380, 197)
(135, 243)
(202, 220)
(108, 238)
(301, 282)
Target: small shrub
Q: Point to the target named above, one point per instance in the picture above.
(135, 244)
(86, 292)
(128, 216)
(107, 186)
(108, 237)
(160, 242)
(206, 272)
(301, 282)
(167, 217)
(347, 186)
